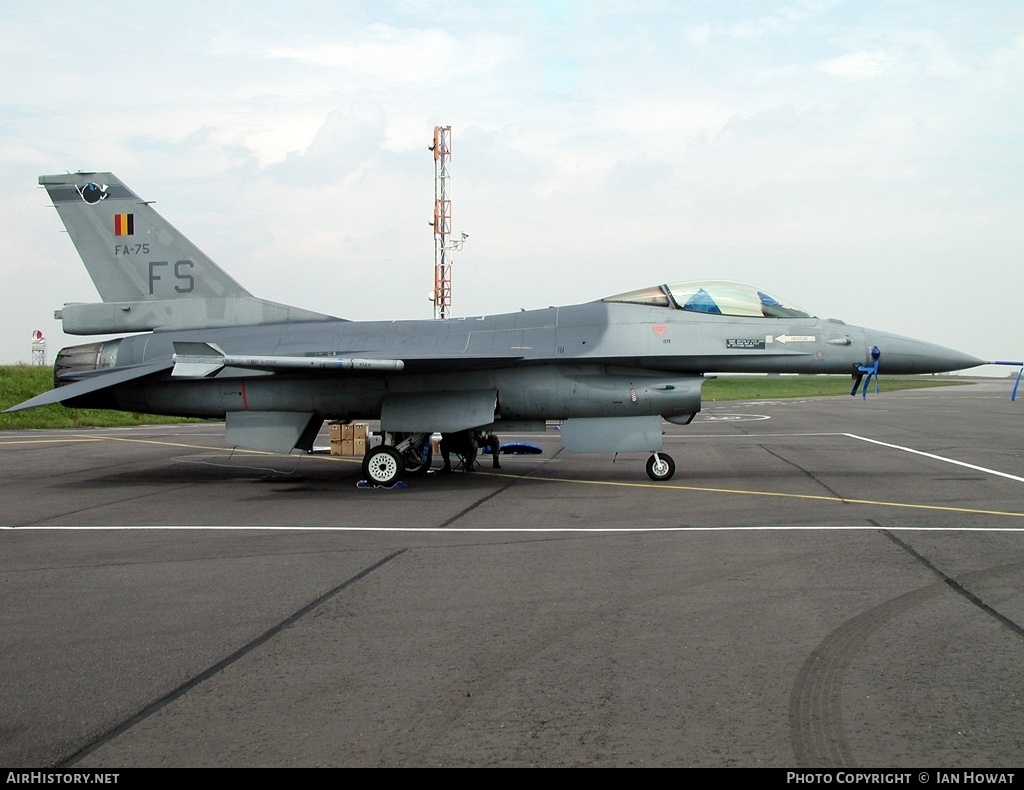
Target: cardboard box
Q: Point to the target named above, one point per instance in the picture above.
(348, 438)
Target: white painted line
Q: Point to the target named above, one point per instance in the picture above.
(937, 457)
(759, 436)
(518, 530)
(753, 436)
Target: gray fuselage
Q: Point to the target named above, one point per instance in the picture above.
(590, 360)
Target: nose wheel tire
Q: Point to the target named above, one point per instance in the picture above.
(660, 467)
(382, 466)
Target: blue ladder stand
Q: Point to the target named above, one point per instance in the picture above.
(1016, 384)
(871, 371)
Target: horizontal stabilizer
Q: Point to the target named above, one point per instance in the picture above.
(199, 360)
(92, 384)
(88, 318)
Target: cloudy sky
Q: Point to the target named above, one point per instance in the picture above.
(863, 159)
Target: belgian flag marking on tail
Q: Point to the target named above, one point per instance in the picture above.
(124, 224)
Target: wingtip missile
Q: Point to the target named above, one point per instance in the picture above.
(202, 360)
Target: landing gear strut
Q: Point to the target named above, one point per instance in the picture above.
(660, 466)
(417, 459)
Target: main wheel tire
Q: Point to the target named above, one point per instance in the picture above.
(383, 466)
(661, 467)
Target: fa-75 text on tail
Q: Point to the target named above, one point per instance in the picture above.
(612, 369)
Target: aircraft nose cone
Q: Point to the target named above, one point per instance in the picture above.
(908, 355)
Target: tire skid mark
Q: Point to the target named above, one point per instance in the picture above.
(806, 471)
(817, 732)
(815, 705)
(156, 705)
(501, 490)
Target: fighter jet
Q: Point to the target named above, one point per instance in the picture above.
(611, 369)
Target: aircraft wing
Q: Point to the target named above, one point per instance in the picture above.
(92, 384)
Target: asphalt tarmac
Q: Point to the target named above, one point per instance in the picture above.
(832, 582)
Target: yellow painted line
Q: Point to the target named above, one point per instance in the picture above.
(741, 492)
(49, 441)
(186, 446)
(609, 483)
(231, 450)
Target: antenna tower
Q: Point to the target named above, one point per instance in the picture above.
(442, 148)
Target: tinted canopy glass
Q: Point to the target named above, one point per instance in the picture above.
(714, 297)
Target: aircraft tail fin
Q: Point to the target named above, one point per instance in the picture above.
(149, 276)
(131, 252)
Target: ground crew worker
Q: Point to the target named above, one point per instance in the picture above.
(485, 439)
(461, 443)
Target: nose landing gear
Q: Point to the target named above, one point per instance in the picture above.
(660, 466)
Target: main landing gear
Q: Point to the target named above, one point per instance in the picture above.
(401, 454)
(660, 466)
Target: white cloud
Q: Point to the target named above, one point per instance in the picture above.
(597, 147)
(347, 142)
(379, 55)
(859, 65)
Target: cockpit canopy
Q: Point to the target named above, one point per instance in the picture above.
(715, 297)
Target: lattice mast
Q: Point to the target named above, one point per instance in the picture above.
(442, 223)
(38, 348)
